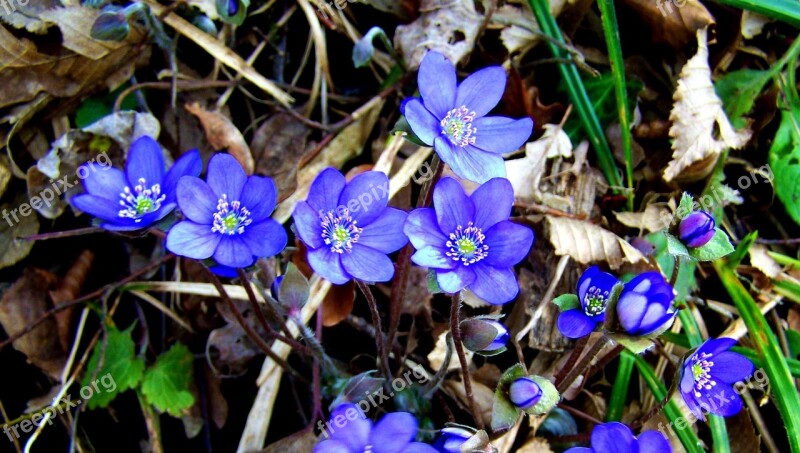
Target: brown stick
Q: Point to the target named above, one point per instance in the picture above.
(376, 321)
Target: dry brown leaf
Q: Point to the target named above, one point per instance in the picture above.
(11, 232)
(763, 262)
(753, 24)
(27, 15)
(697, 118)
(338, 303)
(304, 440)
(448, 27)
(437, 356)
(536, 445)
(482, 395)
(22, 304)
(670, 24)
(652, 219)
(520, 29)
(277, 146)
(526, 173)
(588, 243)
(223, 135)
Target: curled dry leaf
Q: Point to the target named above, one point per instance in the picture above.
(445, 26)
(439, 353)
(223, 135)
(22, 304)
(652, 219)
(520, 31)
(482, 395)
(670, 24)
(761, 260)
(700, 128)
(69, 288)
(588, 243)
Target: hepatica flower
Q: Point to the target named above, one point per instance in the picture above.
(452, 439)
(525, 392)
(708, 375)
(141, 195)
(617, 437)
(348, 228)
(697, 229)
(227, 216)
(469, 241)
(594, 291)
(645, 304)
(452, 118)
(348, 431)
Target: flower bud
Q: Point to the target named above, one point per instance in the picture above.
(483, 335)
(274, 289)
(452, 439)
(110, 26)
(524, 393)
(697, 229)
(645, 304)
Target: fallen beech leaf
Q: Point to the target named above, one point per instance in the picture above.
(12, 231)
(670, 24)
(696, 115)
(277, 146)
(763, 262)
(652, 219)
(26, 15)
(223, 135)
(526, 173)
(304, 440)
(25, 302)
(521, 31)
(588, 243)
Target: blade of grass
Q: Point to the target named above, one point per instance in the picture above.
(577, 92)
(785, 10)
(686, 435)
(787, 289)
(620, 391)
(611, 30)
(784, 260)
(766, 344)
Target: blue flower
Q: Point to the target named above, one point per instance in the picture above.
(524, 392)
(452, 118)
(594, 290)
(469, 241)
(485, 336)
(617, 437)
(707, 377)
(347, 227)
(349, 431)
(140, 196)
(228, 217)
(645, 304)
(697, 229)
(452, 439)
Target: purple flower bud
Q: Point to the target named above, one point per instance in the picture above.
(276, 284)
(483, 335)
(524, 393)
(451, 439)
(697, 229)
(645, 304)
(233, 7)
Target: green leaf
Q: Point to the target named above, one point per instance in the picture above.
(784, 159)
(793, 338)
(637, 345)
(402, 126)
(716, 248)
(675, 247)
(116, 358)
(433, 285)
(685, 207)
(166, 383)
(96, 107)
(504, 413)
(739, 91)
(619, 393)
(549, 399)
(567, 301)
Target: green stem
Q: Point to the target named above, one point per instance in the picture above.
(620, 391)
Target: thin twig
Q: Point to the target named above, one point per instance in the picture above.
(455, 329)
(376, 321)
(582, 365)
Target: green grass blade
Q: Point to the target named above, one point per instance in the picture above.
(785, 10)
(686, 435)
(577, 92)
(787, 289)
(620, 391)
(611, 30)
(775, 364)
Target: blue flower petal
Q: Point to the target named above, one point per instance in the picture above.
(419, 447)
(509, 243)
(495, 285)
(196, 200)
(720, 399)
(422, 122)
(453, 207)
(455, 280)
(574, 323)
(328, 265)
(597, 278)
(687, 378)
(422, 228)
(190, 164)
(433, 257)
(145, 160)
(613, 437)
(653, 442)
(332, 446)
(233, 252)
(349, 426)
(324, 191)
(367, 194)
(385, 233)
(307, 223)
(192, 240)
(226, 176)
(126, 224)
(393, 432)
(368, 264)
(570, 450)
(437, 83)
(715, 346)
(482, 90)
(493, 202)
(730, 367)
(259, 196)
(99, 207)
(470, 162)
(104, 182)
(500, 135)
(266, 238)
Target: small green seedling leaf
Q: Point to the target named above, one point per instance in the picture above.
(115, 358)
(166, 383)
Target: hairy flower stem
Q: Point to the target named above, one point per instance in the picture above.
(582, 365)
(248, 329)
(404, 258)
(455, 330)
(580, 345)
(376, 321)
